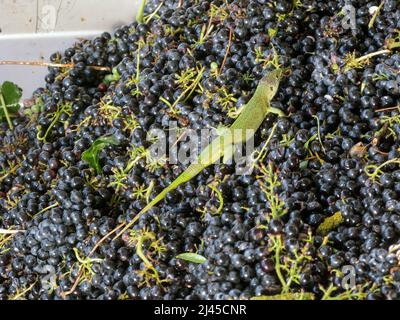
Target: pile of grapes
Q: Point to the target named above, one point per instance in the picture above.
(317, 218)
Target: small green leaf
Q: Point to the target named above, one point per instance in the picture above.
(91, 156)
(11, 93)
(10, 110)
(272, 32)
(304, 165)
(330, 224)
(192, 257)
(115, 76)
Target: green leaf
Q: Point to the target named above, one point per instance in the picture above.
(330, 224)
(114, 77)
(91, 156)
(192, 257)
(304, 165)
(272, 32)
(11, 93)
(10, 110)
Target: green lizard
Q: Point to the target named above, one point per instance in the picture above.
(251, 118)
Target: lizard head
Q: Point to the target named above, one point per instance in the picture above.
(270, 84)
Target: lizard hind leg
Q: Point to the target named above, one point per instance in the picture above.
(276, 111)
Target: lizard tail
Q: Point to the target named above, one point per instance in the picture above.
(190, 173)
